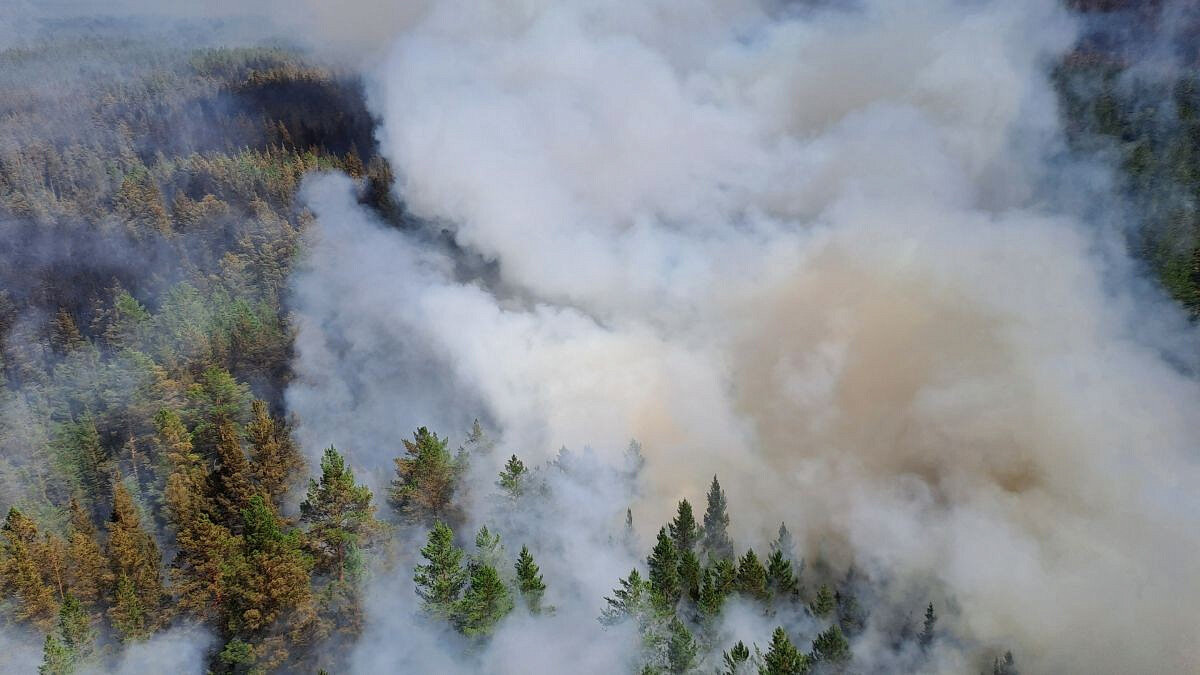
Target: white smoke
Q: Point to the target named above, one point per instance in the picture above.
(815, 251)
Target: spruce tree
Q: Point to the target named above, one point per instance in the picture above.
(681, 648)
(630, 599)
(712, 596)
(785, 544)
(529, 581)
(339, 515)
(488, 549)
(426, 477)
(725, 575)
(925, 639)
(441, 579)
(824, 604)
(783, 658)
(780, 579)
(663, 563)
(485, 602)
(752, 577)
(56, 657)
(689, 574)
(831, 647)
(77, 632)
(736, 659)
(684, 531)
(716, 542)
(512, 478)
(273, 583)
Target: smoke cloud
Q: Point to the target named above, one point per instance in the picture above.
(821, 252)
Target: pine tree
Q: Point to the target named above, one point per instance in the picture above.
(780, 578)
(830, 646)
(231, 484)
(824, 604)
(138, 597)
(681, 648)
(80, 443)
(275, 459)
(512, 478)
(340, 516)
(441, 579)
(736, 660)
(529, 581)
(22, 572)
(783, 658)
(725, 573)
(630, 599)
(684, 531)
(485, 602)
(752, 577)
(423, 490)
(716, 542)
(664, 571)
(64, 333)
(488, 549)
(925, 639)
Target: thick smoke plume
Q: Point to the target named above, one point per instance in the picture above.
(817, 250)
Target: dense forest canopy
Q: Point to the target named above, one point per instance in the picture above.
(291, 344)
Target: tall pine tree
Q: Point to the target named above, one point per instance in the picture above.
(716, 542)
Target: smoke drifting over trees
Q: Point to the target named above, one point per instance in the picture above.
(325, 333)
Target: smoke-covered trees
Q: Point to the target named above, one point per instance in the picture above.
(716, 542)
(442, 577)
(138, 597)
(426, 476)
(529, 581)
(339, 515)
(783, 658)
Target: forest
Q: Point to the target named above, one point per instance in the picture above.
(150, 225)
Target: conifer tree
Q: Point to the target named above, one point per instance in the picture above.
(664, 571)
(529, 581)
(711, 596)
(86, 563)
(925, 639)
(275, 459)
(76, 630)
(831, 647)
(716, 542)
(138, 597)
(736, 659)
(684, 531)
(725, 575)
(64, 333)
(512, 478)
(630, 600)
(485, 602)
(783, 658)
(273, 583)
(441, 579)
(340, 516)
(22, 572)
(689, 574)
(426, 477)
(1005, 666)
(752, 577)
(231, 484)
(80, 443)
(56, 657)
(681, 648)
(488, 549)
(824, 604)
(780, 579)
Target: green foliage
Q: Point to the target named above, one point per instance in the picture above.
(485, 602)
(631, 599)
(735, 660)
(752, 577)
(925, 638)
(529, 581)
(831, 646)
(824, 604)
(441, 579)
(57, 658)
(783, 658)
(681, 648)
(339, 515)
(425, 481)
(780, 579)
(512, 478)
(663, 563)
(684, 531)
